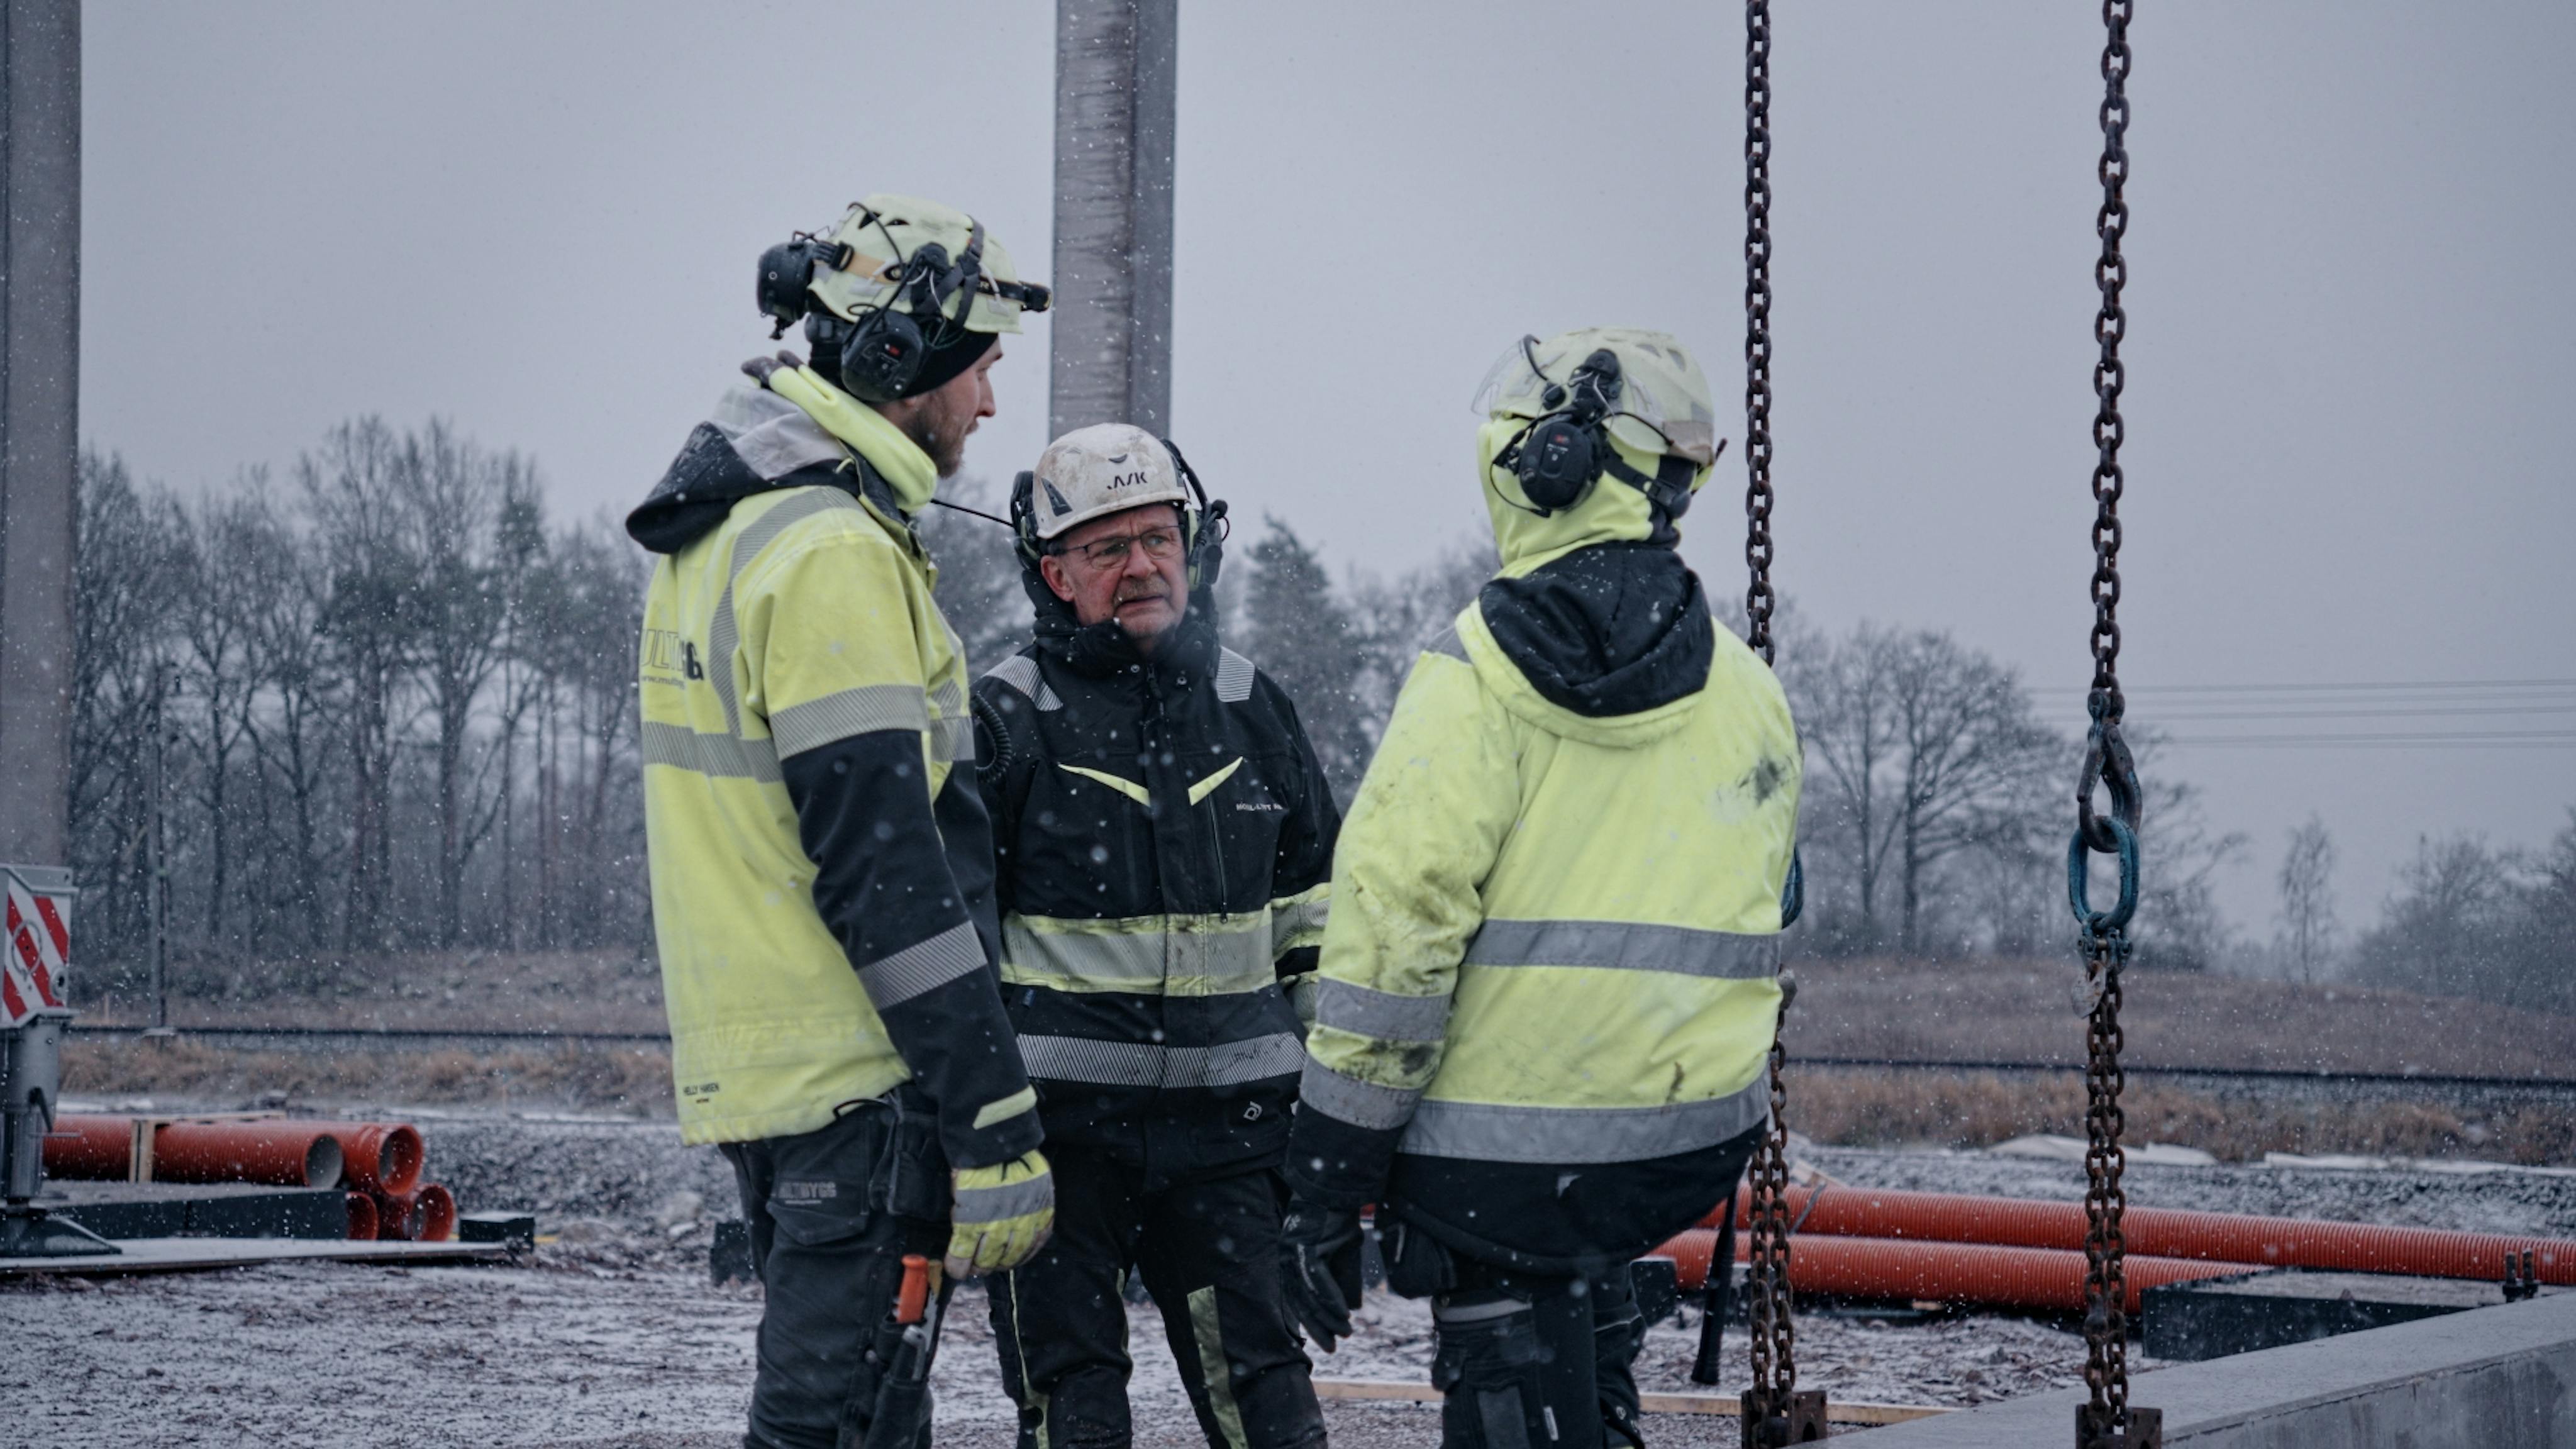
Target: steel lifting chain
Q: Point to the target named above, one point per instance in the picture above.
(1757, 323)
(1774, 1412)
(2107, 1421)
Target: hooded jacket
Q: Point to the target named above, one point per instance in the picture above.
(1165, 837)
(1549, 987)
(821, 863)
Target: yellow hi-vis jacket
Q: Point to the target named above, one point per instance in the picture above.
(821, 865)
(1554, 934)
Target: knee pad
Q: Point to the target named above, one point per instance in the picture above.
(1487, 1368)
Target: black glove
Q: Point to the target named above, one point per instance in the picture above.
(1319, 1269)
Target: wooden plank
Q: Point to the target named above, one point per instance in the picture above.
(1840, 1412)
(174, 1255)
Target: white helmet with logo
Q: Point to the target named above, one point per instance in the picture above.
(1099, 470)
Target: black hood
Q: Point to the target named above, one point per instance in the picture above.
(701, 486)
(1614, 629)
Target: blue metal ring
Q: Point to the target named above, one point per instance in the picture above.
(2125, 847)
(1793, 892)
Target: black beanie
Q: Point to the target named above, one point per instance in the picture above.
(940, 364)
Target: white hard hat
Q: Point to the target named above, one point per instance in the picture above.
(1099, 470)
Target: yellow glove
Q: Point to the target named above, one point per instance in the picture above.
(1002, 1217)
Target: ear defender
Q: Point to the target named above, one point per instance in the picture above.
(1557, 457)
(1204, 531)
(1024, 519)
(880, 352)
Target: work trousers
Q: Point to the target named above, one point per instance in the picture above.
(832, 1212)
(1206, 1248)
(1525, 1361)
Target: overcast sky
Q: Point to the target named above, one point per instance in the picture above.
(2351, 348)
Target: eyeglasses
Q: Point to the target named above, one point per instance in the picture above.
(1109, 553)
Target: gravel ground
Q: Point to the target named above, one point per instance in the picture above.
(611, 1335)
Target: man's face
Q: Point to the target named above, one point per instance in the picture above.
(1129, 566)
(939, 420)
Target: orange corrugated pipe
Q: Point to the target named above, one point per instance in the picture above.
(437, 1213)
(375, 1156)
(362, 1217)
(286, 1154)
(1839, 1211)
(398, 1215)
(2035, 1279)
(383, 1156)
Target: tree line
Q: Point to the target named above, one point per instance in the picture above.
(381, 703)
(385, 703)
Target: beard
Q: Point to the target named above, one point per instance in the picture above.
(940, 436)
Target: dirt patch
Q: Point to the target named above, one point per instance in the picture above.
(565, 1074)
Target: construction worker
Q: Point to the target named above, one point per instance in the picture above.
(821, 862)
(1548, 986)
(1165, 835)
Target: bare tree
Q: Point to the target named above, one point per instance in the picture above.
(2307, 900)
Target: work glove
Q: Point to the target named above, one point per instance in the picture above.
(1002, 1216)
(1319, 1269)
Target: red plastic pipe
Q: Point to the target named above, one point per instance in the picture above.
(2167, 1232)
(289, 1154)
(90, 1149)
(374, 1156)
(437, 1209)
(398, 1216)
(382, 1156)
(2033, 1279)
(362, 1217)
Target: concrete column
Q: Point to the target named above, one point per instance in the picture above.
(40, 116)
(1114, 64)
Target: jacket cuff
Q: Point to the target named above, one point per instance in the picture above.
(1334, 1164)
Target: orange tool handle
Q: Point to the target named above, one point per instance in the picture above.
(913, 1299)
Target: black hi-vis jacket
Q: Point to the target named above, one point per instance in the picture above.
(1164, 840)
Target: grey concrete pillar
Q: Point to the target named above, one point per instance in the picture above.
(40, 116)
(1114, 63)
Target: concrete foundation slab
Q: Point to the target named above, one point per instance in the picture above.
(2485, 1378)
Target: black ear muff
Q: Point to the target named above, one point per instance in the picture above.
(881, 355)
(1024, 521)
(1558, 459)
(786, 272)
(1204, 527)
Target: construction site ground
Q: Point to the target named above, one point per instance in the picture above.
(611, 1334)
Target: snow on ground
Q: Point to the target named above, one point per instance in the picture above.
(611, 1334)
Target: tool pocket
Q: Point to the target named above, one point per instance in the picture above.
(1487, 1370)
(913, 1180)
(825, 1186)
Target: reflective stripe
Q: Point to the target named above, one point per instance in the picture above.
(1025, 1099)
(723, 635)
(1137, 1064)
(1128, 788)
(1626, 946)
(1009, 1200)
(1216, 1371)
(1298, 920)
(1348, 1099)
(719, 756)
(834, 717)
(1380, 1015)
(952, 740)
(1207, 787)
(923, 966)
(1233, 677)
(1020, 672)
(1501, 1133)
(1154, 955)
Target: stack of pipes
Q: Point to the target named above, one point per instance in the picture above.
(2008, 1253)
(377, 1163)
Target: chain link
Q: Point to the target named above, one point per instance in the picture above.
(1758, 599)
(2105, 1421)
